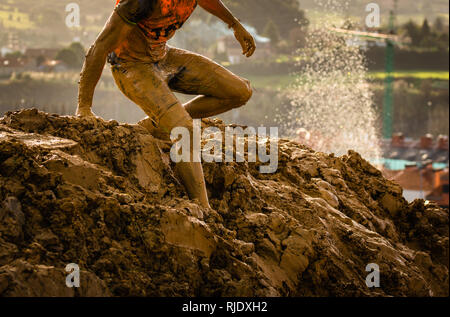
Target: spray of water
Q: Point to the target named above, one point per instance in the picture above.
(332, 109)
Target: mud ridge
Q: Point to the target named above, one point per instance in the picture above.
(104, 195)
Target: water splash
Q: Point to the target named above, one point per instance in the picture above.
(332, 109)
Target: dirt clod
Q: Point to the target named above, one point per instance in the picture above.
(104, 195)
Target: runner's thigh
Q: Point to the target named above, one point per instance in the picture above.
(144, 85)
(199, 75)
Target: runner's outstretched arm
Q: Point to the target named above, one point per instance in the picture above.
(217, 8)
(114, 32)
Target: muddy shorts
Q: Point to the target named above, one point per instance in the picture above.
(151, 84)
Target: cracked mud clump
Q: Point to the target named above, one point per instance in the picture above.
(104, 195)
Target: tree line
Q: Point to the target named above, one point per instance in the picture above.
(425, 35)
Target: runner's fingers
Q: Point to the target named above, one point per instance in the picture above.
(247, 44)
(244, 46)
(251, 51)
(250, 45)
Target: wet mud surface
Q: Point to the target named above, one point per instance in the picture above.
(105, 196)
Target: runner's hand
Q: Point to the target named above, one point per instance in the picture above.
(245, 39)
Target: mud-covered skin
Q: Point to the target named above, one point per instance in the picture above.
(114, 32)
(156, 22)
(104, 196)
(146, 71)
(151, 85)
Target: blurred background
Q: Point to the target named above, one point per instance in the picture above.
(321, 73)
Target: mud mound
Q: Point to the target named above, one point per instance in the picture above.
(104, 196)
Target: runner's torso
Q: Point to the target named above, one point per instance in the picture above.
(157, 21)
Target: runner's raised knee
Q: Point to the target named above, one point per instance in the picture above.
(243, 93)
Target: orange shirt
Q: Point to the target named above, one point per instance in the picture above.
(156, 21)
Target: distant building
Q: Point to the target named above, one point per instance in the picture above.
(14, 18)
(11, 65)
(420, 166)
(416, 182)
(424, 183)
(420, 150)
(34, 59)
(40, 55)
(440, 192)
(53, 66)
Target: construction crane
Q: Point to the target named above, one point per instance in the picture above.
(389, 82)
(391, 41)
